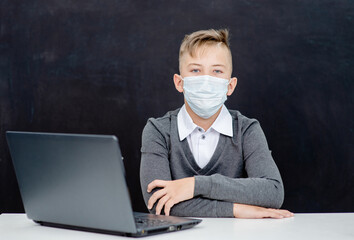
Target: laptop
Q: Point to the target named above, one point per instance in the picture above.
(77, 181)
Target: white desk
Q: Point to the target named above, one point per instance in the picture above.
(334, 226)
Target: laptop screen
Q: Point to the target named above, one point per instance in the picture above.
(72, 179)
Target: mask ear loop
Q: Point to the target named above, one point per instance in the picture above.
(228, 86)
(228, 83)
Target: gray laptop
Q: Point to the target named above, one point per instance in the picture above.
(77, 181)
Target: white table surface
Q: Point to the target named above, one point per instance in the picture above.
(334, 226)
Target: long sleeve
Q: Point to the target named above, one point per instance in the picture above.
(263, 185)
(155, 165)
(241, 170)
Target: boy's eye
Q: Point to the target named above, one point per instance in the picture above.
(195, 70)
(217, 71)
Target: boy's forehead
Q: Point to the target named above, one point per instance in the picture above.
(215, 52)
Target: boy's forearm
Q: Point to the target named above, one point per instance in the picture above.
(263, 185)
(196, 207)
(202, 207)
(254, 191)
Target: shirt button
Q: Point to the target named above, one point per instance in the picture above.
(199, 129)
(203, 136)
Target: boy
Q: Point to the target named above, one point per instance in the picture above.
(204, 160)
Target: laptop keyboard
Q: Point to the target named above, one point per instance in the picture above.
(148, 222)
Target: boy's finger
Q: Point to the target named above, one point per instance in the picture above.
(168, 205)
(155, 196)
(273, 214)
(161, 204)
(286, 213)
(154, 184)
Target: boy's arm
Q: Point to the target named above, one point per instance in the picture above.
(263, 185)
(176, 192)
(155, 165)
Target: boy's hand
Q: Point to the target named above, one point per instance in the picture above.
(172, 192)
(249, 211)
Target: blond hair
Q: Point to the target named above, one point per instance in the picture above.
(193, 41)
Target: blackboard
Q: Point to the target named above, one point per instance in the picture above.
(105, 67)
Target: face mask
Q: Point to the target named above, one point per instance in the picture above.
(205, 94)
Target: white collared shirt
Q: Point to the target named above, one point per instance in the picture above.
(203, 143)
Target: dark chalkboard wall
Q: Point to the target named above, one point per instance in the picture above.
(105, 67)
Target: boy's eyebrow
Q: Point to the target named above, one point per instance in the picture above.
(218, 65)
(195, 64)
(214, 65)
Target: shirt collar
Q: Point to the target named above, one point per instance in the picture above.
(185, 123)
(222, 124)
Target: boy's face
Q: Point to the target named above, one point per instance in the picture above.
(214, 60)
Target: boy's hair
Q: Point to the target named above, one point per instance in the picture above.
(196, 39)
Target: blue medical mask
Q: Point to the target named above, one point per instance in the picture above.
(205, 94)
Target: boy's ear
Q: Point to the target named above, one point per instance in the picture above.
(232, 85)
(177, 79)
